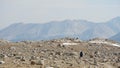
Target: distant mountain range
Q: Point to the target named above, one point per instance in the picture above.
(57, 29)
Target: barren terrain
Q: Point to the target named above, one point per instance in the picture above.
(59, 53)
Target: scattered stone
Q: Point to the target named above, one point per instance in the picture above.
(23, 59)
(59, 53)
(13, 48)
(33, 63)
(1, 56)
(40, 62)
(18, 57)
(33, 58)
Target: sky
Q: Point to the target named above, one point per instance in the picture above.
(42, 11)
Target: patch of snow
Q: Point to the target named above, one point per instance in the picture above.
(69, 43)
(116, 45)
(104, 42)
(98, 42)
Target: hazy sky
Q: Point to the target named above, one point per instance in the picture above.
(40, 11)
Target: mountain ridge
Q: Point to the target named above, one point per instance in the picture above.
(82, 29)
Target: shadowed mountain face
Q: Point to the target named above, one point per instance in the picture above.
(115, 23)
(69, 28)
(116, 37)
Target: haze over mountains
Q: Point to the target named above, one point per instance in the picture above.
(57, 29)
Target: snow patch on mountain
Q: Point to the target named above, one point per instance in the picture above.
(104, 42)
(69, 43)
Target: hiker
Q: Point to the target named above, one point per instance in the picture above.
(81, 54)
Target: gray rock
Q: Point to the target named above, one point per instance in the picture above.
(40, 62)
(18, 57)
(33, 58)
(1, 56)
(37, 62)
(12, 48)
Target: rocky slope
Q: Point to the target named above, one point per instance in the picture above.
(58, 53)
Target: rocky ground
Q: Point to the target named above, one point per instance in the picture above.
(60, 53)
